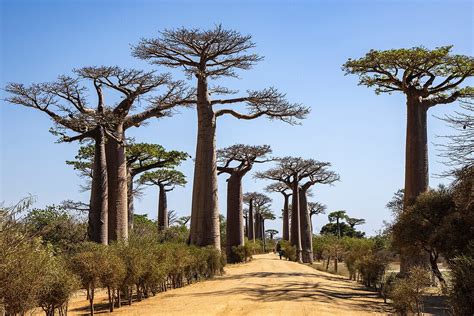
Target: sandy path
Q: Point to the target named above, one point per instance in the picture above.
(265, 286)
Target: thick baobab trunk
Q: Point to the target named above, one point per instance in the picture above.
(251, 227)
(258, 227)
(305, 226)
(162, 208)
(246, 231)
(286, 221)
(130, 201)
(416, 168)
(205, 209)
(416, 155)
(98, 214)
(118, 189)
(295, 236)
(235, 215)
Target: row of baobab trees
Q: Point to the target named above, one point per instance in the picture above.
(426, 77)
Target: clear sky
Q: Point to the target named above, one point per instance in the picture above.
(304, 44)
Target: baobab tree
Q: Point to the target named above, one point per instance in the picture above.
(141, 157)
(207, 55)
(131, 85)
(315, 208)
(264, 214)
(427, 78)
(256, 201)
(286, 192)
(317, 173)
(354, 221)
(271, 233)
(166, 180)
(337, 216)
(237, 161)
(292, 171)
(65, 101)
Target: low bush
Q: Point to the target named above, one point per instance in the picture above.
(461, 292)
(289, 251)
(407, 292)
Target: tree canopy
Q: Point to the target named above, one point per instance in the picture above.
(435, 74)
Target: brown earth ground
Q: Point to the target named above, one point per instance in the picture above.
(264, 286)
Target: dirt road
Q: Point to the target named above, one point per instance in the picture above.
(265, 286)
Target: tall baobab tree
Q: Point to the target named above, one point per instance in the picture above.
(427, 78)
(292, 171)
(237, 161)
(315, 208)
(65, 101)
(263, 214)
(285, 191)
(207, 55)
(318, 173)
(256, 201)
(166, 180)
(131, 85)
(141, 157)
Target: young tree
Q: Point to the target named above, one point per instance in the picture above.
(337, 216)
(208, 55)
(291, 171)
(237, 161)
(166, 180)
(271, 232)
(315, 208)
(284, 190)
(354, 221)
(427, 78)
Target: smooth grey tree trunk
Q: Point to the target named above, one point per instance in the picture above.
(130, 201)
(118, 188)
(416, 169)
(235, 232)
(305, 226)
(286, 221)
(251, 227)
(162, 208)
(295, 236)
(98, 214)
(205, 209)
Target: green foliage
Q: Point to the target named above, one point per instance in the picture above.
(289, 251)
(400, 69)
(422, 225)
(168, 178)
(346, 230)
(139, 156)
(406, 293)
(57, 227)
(21, 275)
(58, 284)
(461, 292)
(243, 253)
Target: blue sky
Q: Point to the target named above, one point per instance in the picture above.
(304, 44)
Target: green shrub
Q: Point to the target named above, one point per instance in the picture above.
(58, 284)
(461, 293)
(88, 264)
(407, 293)
(289, 251)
